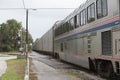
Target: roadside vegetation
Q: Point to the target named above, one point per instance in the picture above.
(15, 70)
(12, 36)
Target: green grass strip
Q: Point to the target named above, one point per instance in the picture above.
(15, 70)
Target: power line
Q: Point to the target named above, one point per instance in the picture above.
(24, 7)
(11, 8)
(35, 8)
(55, 8)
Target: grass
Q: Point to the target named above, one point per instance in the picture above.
(15, 70)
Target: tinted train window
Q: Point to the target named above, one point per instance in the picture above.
(64, 28)
(55, 33)
(67, 26)
(61, 47)
(59, 30)
(75, 21)
(91, 13)
(71, 24)
(101, 8)
(83, 18)
(78, 21)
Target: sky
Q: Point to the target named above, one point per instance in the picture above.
(40, 20)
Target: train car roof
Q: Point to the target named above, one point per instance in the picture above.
(77, 11)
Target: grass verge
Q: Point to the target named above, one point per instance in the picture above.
(15, 70)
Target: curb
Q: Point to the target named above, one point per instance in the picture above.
(27, 70)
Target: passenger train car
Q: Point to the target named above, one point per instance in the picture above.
(88, 37)
(45, 43)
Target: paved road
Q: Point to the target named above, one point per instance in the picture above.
(47, 69)
(3, 64)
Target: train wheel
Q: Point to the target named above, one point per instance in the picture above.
(56, 55)
(106, 70)
(109, 72)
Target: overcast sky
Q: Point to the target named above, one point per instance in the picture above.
(40, 20)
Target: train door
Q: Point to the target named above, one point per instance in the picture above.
(116, 41)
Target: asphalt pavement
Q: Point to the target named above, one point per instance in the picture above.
(46, 70)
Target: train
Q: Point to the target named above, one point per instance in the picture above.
(88, 37)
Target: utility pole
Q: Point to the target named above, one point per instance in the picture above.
(26, 34)
(27, 59)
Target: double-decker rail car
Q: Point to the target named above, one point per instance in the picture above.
(90, 37)
(45, 43)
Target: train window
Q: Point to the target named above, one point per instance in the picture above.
(75, 21)
(71, 24)
(57, 31)
(55, 34)
(64, 26)
(89, 51)
(101, 6)
(78, 21)
(67, 26)
(83, 17)
(91, 13)
(61, 29)
(61, 45)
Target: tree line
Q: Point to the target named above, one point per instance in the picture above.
(13, 36)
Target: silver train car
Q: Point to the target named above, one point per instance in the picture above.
(89, 37)
(45, 43)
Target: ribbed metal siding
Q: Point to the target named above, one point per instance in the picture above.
(106, 43)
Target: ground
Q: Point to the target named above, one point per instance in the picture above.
(48, 68)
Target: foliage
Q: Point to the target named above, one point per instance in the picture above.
(9, 33)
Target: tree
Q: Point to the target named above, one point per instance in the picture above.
(9, 34)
